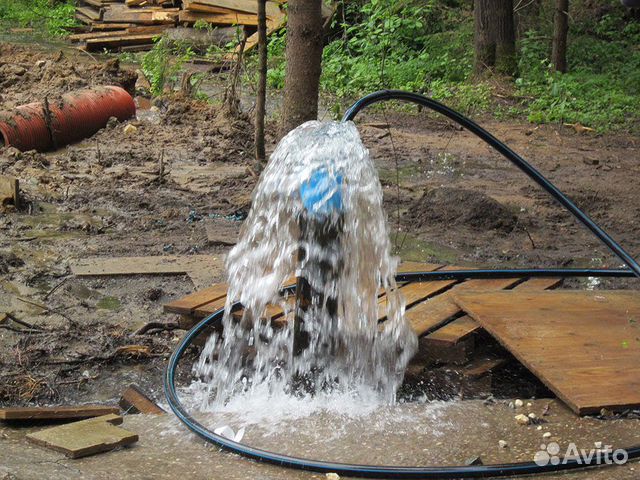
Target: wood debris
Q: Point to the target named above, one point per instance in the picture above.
(123, 24)
(87, 437)
(135, 401)
(56, 413)
(199, 268)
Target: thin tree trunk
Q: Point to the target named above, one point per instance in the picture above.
(494, 36)
(484, 44)
(560, 33)
(304, 57)
(262, 81)
(506, 61)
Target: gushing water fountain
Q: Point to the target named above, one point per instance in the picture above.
(316, 213)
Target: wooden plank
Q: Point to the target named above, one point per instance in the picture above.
(209, 307)
(195, 6)
(465, 326)
(134, 400)
(187, 305)
(415, 292)
(406, 267)
(540, 284)
(78, 37)
(99, 27)
(186, 16)
(122, 40)
(243, 6)
(428, 315)
(90, 13)
(87, 437)
(56, 413)
(164, 264)
(273, 313)
(412, 292)
(583, 345)
(157, 29)
(140, 16)
(454, 332)
(83, 18)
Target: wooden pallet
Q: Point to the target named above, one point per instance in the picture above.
(450, 358)
(585, 346)
(431, 309)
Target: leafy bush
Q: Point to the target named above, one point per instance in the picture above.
(55, 17)
(162, 64)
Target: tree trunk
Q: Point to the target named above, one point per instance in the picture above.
(495, 39)
(484, 35)
(262, 81)
(304, 58)
(506, 61)
(560, 31)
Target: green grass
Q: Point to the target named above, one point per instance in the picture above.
(49, 15)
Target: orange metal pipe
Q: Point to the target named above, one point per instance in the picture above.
(76, 115)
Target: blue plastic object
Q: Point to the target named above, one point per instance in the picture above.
(322, 194)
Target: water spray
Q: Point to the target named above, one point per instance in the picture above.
(321, 220)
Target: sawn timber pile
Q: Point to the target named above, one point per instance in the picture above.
(131, 25)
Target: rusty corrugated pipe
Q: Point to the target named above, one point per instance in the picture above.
(53, 123)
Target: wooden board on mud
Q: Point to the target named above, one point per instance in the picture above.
(87, 437)
(55, 413)
(583, 345)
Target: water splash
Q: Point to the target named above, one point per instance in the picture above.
(316, 214)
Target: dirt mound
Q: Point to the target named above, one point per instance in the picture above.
(23, 80)
(453, 206)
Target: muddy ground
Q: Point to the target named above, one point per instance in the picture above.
(449, 199)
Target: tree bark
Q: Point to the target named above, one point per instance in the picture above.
(494, 36)
(304, 58)
(560, 33)
(506, 61)
(262, 81)
(485, 50)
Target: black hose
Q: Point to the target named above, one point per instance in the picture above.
(430, 472)
(512, 156)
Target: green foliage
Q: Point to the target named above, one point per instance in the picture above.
(602, 87)
(427, 46)
(276, 60)
(404, 45)
(162, 64)
(411, 45)
(52, 17)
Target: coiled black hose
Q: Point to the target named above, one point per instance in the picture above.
(380, 471)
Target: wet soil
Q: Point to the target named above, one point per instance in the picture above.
(426, 435)
(449, 198)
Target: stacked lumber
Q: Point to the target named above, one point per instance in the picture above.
(134, 24)
(123, 24)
